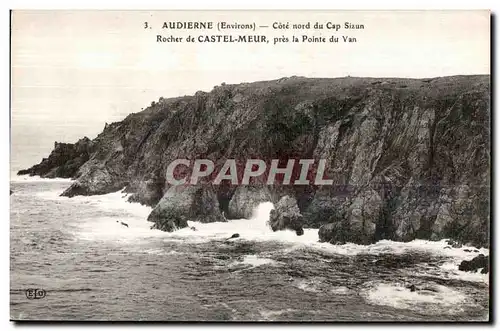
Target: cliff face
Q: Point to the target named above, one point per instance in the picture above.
(409, 158)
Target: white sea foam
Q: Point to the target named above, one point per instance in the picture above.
(117, 201)
(54, 194)
(135, 215)
(112, 227)
(434, 299)
(271, 314)
(447, 269)
(108, 228)
(451, 258)
(451, 272)
(153, 251)
(255, 228)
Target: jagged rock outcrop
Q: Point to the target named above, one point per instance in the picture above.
(479, 262)
(409, 158)
(97, 180)
(359, 222)
(181, 204)
(363, 215)
(286, 216)
(64, 161)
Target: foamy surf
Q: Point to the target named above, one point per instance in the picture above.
(116, 201)
(308, 285)
(134, 216)
(254, 229)
(119, 221)
(28, 178)
(399, 248)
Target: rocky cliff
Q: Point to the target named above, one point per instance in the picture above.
(409, 158)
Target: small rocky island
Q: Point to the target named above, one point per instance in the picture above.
(409, 158)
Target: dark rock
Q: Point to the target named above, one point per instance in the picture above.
(412, 288)
(286, 216)
(447, 247)
(235, 235)
(181, 204)
(479, 262)
(124, 224)
(467, 250)
(194, 229)
(11, 192)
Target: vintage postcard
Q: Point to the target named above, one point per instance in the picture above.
(245, 166)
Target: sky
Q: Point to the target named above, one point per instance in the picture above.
(72, 71)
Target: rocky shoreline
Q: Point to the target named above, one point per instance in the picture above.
(409, 158)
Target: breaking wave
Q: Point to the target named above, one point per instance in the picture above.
(260, 275)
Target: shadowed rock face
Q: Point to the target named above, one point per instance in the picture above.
(64, 161)
(479, 262)
(332, 233)
(409, 158)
